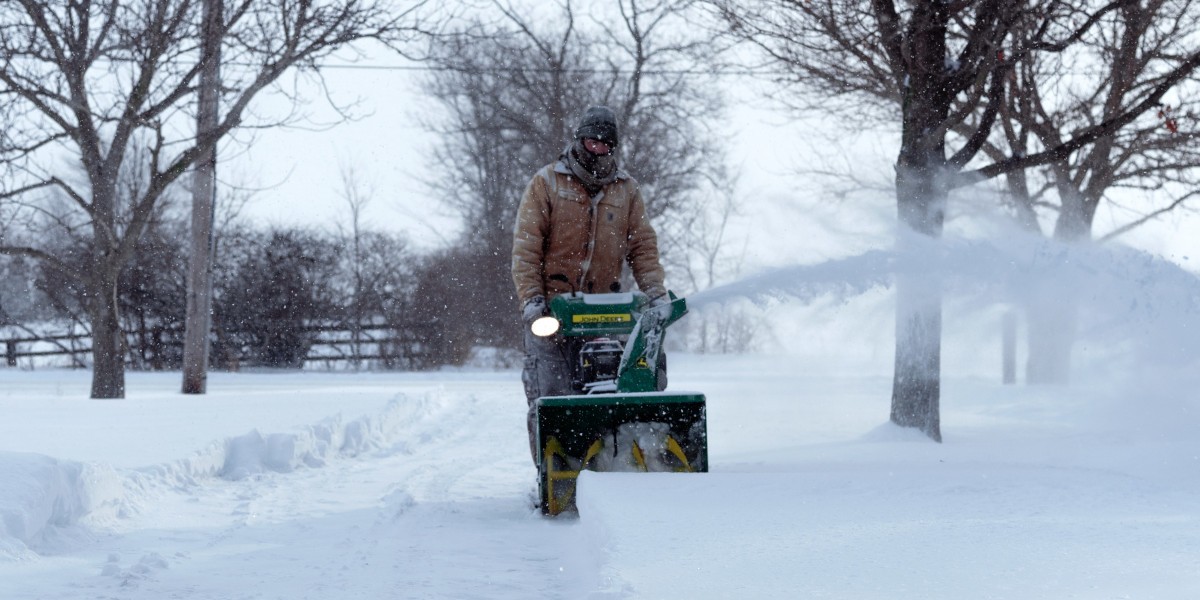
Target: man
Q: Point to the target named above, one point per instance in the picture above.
(580, 221)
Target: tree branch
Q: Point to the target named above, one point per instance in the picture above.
(984, 130)
(1126, 228)
(45, 257)
(1090, 135)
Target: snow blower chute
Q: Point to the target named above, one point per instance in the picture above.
(619, 418)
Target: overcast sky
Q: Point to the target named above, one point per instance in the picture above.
(784, 217)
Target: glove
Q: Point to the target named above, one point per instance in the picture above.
(659, 300)
(534, 307)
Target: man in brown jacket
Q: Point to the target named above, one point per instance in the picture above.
(580, 221)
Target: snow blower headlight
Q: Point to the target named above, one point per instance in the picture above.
(544, 326)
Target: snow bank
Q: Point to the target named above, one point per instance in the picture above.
(903, 519)
(255, 452)
(40, 492)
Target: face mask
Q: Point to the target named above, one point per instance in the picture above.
(600, 167)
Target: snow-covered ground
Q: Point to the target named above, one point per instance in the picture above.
(395, 485)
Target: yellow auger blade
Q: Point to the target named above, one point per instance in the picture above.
(639, 457)
(677, 451)
(591, 453)
(554, 448)
(673, 447)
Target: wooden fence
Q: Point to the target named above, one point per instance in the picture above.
(13, 347)
(330, 344)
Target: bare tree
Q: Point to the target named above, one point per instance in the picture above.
(357, 196)
(90, 79)
(1053, 96)
(1130, 52)
(937, 69)
(513, 88)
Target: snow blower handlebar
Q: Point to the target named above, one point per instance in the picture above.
(639, 370)
(621, 314)
(581, 314)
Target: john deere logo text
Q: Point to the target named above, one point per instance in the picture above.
(621, 318)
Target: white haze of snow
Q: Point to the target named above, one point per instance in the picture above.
(418, 485)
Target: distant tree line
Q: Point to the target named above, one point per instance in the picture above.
(274, 287)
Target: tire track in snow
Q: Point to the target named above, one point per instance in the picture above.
(424, 501)
(458, 523)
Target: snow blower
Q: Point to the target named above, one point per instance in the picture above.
(619, 417)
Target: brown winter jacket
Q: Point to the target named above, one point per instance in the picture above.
(555, 231)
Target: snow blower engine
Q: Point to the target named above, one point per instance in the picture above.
(619, 417)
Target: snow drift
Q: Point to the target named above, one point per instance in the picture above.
(41, 493)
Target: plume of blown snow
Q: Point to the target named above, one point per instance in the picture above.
(1137, 335)
(1127, 296)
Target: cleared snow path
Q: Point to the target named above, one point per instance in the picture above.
(427, 499)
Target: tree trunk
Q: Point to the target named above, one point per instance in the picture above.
(922, 171)
(1009, 348)
(199, 295)
(108, 339)
(916, 381)
(1052, 328)
(1074, 221)
(1053, 309)
(108, 348)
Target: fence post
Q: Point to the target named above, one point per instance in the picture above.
(10, 352)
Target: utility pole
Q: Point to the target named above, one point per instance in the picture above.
(204, 192)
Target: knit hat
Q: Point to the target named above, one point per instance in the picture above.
(598, 123)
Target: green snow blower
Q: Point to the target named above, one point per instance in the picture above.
(619, 418)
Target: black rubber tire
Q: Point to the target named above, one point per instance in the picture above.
(543, 501)
(660, 374)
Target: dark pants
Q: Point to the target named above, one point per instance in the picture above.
(548, 365)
